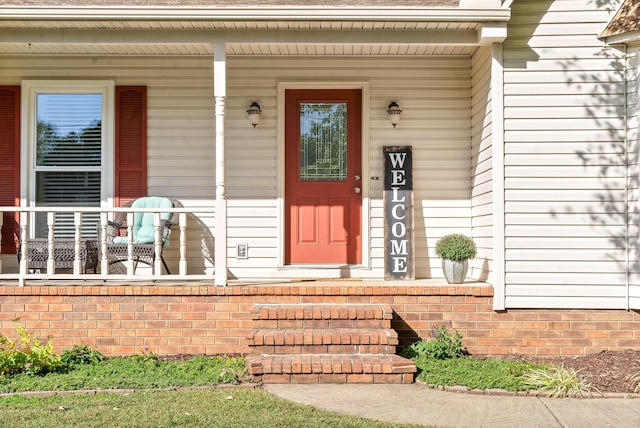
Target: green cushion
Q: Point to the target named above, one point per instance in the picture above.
(143, 229)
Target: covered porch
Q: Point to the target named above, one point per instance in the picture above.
(204, 67)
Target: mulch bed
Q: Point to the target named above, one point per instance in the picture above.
(607, 371)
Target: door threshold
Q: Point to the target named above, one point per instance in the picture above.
(320, 267)
(323, 279)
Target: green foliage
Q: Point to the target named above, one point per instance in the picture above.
(443, 361)
(80, 355)
(635, 379)
(559, 382)
(27, 355)
(147, 357)
(441, 346)
(224, 370)
(135, 373)
(476, 373)
(456, 247)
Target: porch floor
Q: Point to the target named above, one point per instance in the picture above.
(316, 282)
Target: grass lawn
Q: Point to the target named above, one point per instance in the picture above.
(181, 408)
(203, 405)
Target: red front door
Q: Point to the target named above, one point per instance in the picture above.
(323, 176)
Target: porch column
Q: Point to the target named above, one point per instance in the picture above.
(220, 93)
(497, 160)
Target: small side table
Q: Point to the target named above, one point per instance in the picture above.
(63, 254)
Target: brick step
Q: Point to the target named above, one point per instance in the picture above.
(323, 349)
(323, 341)
(313, 336)
(335, 368)
(322, 316)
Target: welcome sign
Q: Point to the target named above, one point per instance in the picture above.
(398, 213)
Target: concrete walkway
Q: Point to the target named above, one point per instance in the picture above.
(417, 404)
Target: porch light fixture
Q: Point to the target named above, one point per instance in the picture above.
(394, 111)
(253, 113)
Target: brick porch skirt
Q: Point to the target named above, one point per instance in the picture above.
(204, 319)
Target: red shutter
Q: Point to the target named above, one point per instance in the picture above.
(9, 163)
(131, 143)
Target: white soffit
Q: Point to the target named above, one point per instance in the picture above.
(234, 25)
(249, 31)
(233, 49)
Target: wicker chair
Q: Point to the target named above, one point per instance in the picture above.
(63, 253)
(143, 233)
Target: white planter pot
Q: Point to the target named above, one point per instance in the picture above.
(455, 271)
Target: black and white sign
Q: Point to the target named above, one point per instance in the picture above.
(398, 213)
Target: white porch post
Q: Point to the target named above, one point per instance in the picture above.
(220, 93)
(499, 248)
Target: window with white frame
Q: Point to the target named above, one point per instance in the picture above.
(69, 133)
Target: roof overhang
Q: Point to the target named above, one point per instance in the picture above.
(270, 13)
(24, 28)
(624, 27)
(623, 39)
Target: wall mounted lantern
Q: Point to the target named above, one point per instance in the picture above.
(394, 111)
(253, 113)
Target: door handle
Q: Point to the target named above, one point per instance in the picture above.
(357, 190)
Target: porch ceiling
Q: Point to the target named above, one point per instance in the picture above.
(233, 25)
(236, 49)
(243, 38)
(300, 30)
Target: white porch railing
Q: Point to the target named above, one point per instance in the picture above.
(88, 251)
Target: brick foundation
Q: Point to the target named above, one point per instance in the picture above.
(123, 320)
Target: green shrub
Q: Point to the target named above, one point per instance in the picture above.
(635, 379)
(559, 382)
(476, 373)
(456, 247)
(441, 346)
(80, 355)
(221, 369)
(125, 372)
(28, 355)
(147, 357)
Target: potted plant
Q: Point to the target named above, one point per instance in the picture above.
(455, 250)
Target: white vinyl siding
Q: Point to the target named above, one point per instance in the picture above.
(482, 159)
(434, 93)
(565, 159)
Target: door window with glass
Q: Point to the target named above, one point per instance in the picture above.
(323, 141)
